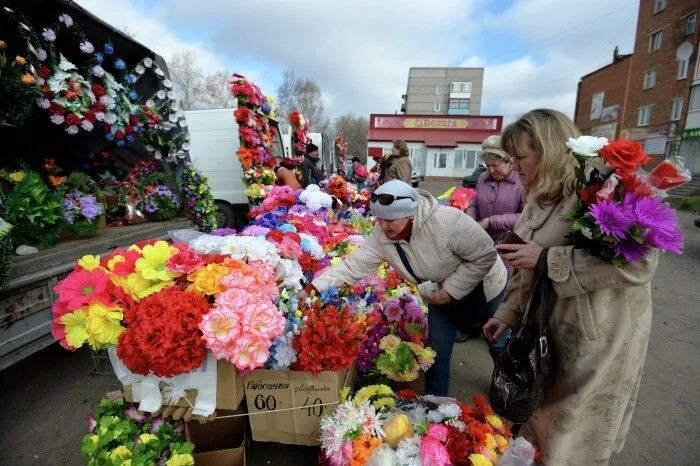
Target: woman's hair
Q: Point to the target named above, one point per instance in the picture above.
(401, 145)
(355, 159)
(486, 156)
(548, 130)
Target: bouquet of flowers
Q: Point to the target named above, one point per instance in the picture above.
(81, 211)
(459, 198)
(620, 215)
(198, 199)
(380, 427)
(120, 434)
(18, 88)
(341, 151)
(337, 186)
(300, 139)
(160, 198)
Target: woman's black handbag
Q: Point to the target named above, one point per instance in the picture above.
(467, 314)
(523, 371)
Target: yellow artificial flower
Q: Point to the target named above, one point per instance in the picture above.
(495, 421)
(180, 459)
(501, 444)
(27, 78)
(207, 280)
(384, 403)
(344, 393)
(255, 191)
(122, 452)
(103, 325)
(152, 264)
(490, 442)
(75, 324)
(89, 262)
(397, 428)
(479, 460)
(389, 342)
(372, 391)
(16, 176)
(139, 287)
(94, 439)
(336, 260)
(20, 60)
(2, 44)
(145, 438)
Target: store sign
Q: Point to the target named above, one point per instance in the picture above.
(605, 131)
(690, 134)
(655, 146)
(638, 134)
(401, 122)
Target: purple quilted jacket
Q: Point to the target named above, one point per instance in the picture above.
(501, 201)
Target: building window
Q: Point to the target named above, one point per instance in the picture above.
(649, 79)
(676, 109)
(683, 68)
(440, 160)
(695, 98)
(437, 106)
(461, 87)
(644, 115)
(437, 90)
(459, 159)
(659, 5)
(459, 104)
(655, 41)
(471, 159)
(690, 23)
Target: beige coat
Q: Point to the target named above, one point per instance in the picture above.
(446, 246)
(600, 327)
(399, 168)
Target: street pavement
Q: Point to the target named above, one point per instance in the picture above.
(44, 400)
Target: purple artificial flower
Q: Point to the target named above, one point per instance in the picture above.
(369, 351)
(393, 310)
(631, 250)
(157, 424)
(134, 414)
(612, 219)
(659, 221)
(224, 232)
(151, 207)
(255, 230)
(92, 423)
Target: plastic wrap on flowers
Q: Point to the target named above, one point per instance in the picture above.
(198, 200)
(459, 198)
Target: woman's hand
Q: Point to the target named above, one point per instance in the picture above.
(494, 328)
(521, 256)
(484, 222)
(439, 297)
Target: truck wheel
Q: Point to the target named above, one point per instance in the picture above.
(225, 215)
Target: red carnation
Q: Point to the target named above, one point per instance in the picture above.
(56, 109)
(72, 119)
(119, 135)
(98, 107)
(90, 116)
(133, 120)
(44, 71)
(98, 90)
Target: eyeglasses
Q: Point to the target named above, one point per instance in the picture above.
(386, 199)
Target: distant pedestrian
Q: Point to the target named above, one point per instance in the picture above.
(398, 165)
(359, 173)
(310, 172)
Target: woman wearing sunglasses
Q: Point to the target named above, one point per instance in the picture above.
(429, 243)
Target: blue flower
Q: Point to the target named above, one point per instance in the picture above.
(133, 95)
(128, 79)
(129, 138)
(287, 228)
(99, 57)
(121, 143)
(109, 49)
(119, 64)
(266, 108)
(109, 137)
(136, 129)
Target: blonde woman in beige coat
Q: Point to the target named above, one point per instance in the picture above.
(602, 316)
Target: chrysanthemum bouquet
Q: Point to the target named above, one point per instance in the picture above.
(459, 198)
(161, 200)
(621, 215)
(81, 212)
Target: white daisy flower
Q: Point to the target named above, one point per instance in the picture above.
(48, 34)
(72, 130)
(57, 119)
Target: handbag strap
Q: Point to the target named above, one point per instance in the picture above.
(536, 317)
(406, 264)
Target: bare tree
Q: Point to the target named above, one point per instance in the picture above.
(353, 129)
(304, 95)
(216, 91)
(187, 76)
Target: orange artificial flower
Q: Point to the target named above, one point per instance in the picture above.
(27, 79)
(20, 60)
(362, 449)
(246, 157)
(56, 180)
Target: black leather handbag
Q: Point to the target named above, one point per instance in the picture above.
(524, 370)
(467, 314)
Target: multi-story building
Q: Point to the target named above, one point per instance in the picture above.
(646, 96)
(443, 91)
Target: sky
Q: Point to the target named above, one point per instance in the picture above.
(533, 51)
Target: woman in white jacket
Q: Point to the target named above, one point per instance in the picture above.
(442, 245)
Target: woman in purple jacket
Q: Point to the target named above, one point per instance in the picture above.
(499, 201)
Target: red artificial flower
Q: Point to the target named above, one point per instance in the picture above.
(90, 116)
(162, 334)
(98, 107)
(119, 135)
(56, 109)
(668, 175)
(72, 119)
(133, 120)
(635, 185)
(588, 194)
(457, 446)
(146, 242)
(44, 71)
(107, 128)
(407, 394)
(47, 92)
(624, 156)
(329, 340)
(98, 90)
(184, 261)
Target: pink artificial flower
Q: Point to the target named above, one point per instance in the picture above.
(81, 287)
(250, 352)
(267, 322)
(289, 248)
(438, 432)
(219, 325)
(433, 452)
(185, 260)
(92, 423)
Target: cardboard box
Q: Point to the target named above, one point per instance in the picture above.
(221, 442)
(275, 392)
(229, 389)
(417, 385)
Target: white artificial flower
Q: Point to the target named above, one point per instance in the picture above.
(435, 416)
(65, 65)
(311, 246)
(65, 19)
(183, 123)
(147, 62)
(150, 148)
(86, 47)
(110, 118)
(179, 112)
(289, 273)
(172, 117)
(72, 130)
(100, 116)
(167, 83)
(40, 81)
(160, 94)
(57, 119)
(186, 146)
(587, 146)
(43, 103)
(98, 71)
(157, 154)
(207, 244)
(41, 55)
(171, 94)
(48, 34)
(86, 125)
(140, 69)
(159, 72)
(408, 452)
(459, 425)
(450, 410)
(150, 103)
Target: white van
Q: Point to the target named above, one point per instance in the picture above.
(213, 145)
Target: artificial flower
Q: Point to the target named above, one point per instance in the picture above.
(397, 427)
(153, 260)
(624, 156)
(66, 20)
(48, 34)
(184, 261)
(86, 47)
(180, 459)
(587, 146)
(207, 280)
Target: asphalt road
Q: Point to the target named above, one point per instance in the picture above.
(45, 399)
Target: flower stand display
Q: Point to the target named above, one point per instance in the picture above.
(221, 441)
(293, 403)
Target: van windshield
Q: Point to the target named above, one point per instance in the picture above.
(277, 146)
